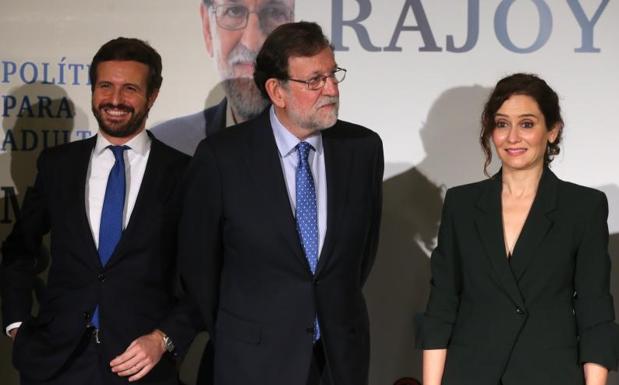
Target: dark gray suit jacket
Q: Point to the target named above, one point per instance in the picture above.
(533, 318)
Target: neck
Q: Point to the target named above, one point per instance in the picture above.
(521, 183)
(118, 141)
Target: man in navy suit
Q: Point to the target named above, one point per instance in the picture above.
(110, 309)
(280, 224)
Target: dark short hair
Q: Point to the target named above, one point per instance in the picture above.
(522, 84)
(129, 49)
(300, 39)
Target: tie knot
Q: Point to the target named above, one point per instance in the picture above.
(118, 151)
(304, 148)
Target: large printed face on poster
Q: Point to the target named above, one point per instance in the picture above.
(419, 72)
(234, 33)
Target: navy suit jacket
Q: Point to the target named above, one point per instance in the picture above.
(243, 263)
(135, 289)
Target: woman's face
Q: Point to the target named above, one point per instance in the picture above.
(520, 135)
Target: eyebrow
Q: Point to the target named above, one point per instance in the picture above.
(319, 73)
(128, 84)
(528, 115)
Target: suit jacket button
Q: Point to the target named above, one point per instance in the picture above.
(519, 310)
(101, 277)
(310, 331)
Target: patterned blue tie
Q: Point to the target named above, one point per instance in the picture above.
(112, 214)
(307, 213)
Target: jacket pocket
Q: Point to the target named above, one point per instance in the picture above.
(229, 325)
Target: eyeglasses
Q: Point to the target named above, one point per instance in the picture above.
(233, 17)
(318, 82)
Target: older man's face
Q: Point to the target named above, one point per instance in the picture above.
(234, 31)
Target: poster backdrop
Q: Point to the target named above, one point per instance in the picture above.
(418, 74)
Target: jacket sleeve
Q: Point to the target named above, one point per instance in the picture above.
(593, 303)
(182, 324)
(377, 205)
(184, 321)
(200, 233)
(22, 253)
(435, 328)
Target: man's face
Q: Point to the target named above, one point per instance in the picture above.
(311, 110)
(234, 31)
(119, 99)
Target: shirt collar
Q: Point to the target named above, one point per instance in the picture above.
(230, 121)
(139, 143)
(286, 141)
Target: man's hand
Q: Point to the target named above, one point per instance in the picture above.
(13, 333)
(140, 357)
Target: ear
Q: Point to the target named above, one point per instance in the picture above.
(276, 92)
(152, 98)
(206, 31)
(554, 133)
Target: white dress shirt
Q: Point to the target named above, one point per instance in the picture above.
(289, 158)
(101, 163)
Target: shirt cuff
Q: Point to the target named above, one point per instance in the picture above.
(12, 326)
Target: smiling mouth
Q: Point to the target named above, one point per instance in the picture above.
(116, 112)
(515, 151)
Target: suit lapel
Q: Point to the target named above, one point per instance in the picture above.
(149, 188)
(337, 163)
(76, 180)
(489, 225)
(267, 174)
(215, 118)
(537, 224)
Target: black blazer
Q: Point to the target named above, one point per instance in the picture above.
(136, 288)
(243, 263)
(536, 317)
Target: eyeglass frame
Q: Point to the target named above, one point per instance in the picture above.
(323, 79)
(214, 8)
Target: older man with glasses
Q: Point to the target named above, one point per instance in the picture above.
(280, 223)
(233, 33)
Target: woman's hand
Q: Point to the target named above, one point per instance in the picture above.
(595, 374)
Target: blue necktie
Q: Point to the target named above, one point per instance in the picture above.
(307, 213)
(112, 214)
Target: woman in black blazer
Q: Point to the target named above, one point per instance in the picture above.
(520, 276)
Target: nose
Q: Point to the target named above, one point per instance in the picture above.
(331, 87)
(513, 135)
(253, 36)
(114, 96)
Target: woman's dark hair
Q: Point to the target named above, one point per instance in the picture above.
(300, 39)
(125, 49)
(522, 84)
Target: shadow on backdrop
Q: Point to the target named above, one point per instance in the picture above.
(398, 287)
(34, 116)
